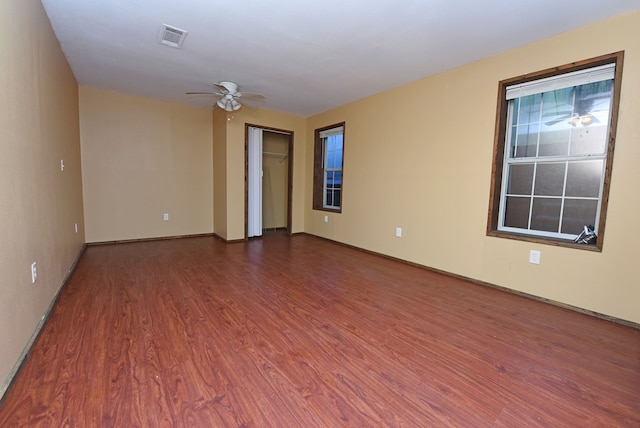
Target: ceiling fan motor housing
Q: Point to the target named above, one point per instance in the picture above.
(231, 87)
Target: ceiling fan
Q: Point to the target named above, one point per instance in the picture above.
(582, 112)
(229, 98)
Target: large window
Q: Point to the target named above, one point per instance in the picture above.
(327, 179)
(553, 152)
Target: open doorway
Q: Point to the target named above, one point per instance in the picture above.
(268, 180)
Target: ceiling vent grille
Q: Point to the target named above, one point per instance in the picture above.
(172, 36)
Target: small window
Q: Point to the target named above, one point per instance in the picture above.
(553, 152)
(327, 177)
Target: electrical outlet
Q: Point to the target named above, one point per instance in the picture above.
(534, 257)
(34, 273)
(61, 164)
(75, 227)
(398, 232)
(165, 216)
(326, 219)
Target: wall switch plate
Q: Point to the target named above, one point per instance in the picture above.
(534, 257)
(34, 273)
(165, 216)
(75, 227)
(61, 164)
(326, 219)
(398, 232)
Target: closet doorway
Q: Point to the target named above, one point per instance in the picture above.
(268, 179)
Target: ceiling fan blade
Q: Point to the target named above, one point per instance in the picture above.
(249, 106)
(205, 93)
(251, 95)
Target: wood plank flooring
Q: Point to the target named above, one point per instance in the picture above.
(302, 332)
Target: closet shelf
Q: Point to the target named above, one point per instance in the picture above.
(282, 155)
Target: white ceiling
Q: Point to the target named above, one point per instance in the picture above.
(306, 56)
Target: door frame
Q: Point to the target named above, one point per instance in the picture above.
(246, 174)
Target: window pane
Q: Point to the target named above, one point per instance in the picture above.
(583, 178)
(333, 152)
(591, 118)
(329, 199)
(549, 179)
(545, 214)
(336, 197)
(331, 160)
(512, 141)
(333, 188)
(520, 179)
(557, 106)
(577, 214)
(588, 140)
(593, 99)
(328, 181)
(554, 142)
(331, 143)
(556, 112)
(337, 178)
(331, 179)
(517, 212)
(335, 160)
(527, 140)
(529, 111)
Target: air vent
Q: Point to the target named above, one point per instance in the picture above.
(172, 36)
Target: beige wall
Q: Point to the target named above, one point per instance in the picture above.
(419, 158)
(235, 146)
(275, 180)
(220, 172)
(142, 158)
(40, 203)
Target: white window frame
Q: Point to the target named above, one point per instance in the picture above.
(324, 137)
(514, 93)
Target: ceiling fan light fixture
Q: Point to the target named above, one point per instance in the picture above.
(222, 103)
(228, 103)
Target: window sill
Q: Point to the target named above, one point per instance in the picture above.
(546, 241)
(331, 210)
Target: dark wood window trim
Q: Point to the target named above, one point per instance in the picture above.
(318, 171)
(499, 147)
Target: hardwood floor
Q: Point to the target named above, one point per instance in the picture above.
(299, 331)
